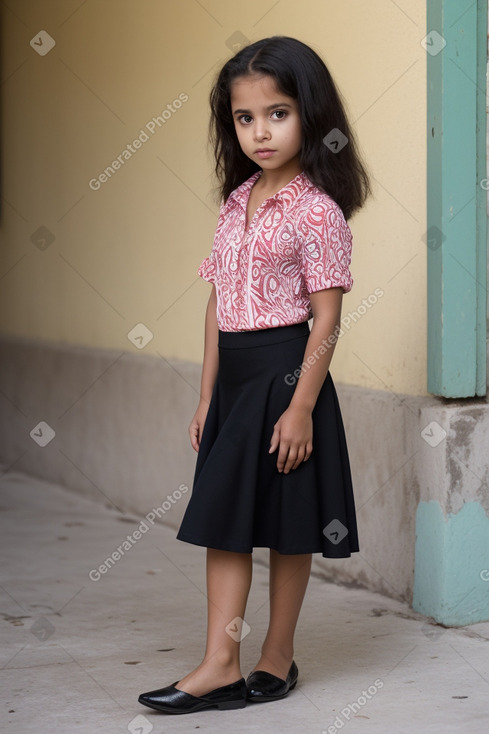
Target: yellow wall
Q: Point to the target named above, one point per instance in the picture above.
(129, 251)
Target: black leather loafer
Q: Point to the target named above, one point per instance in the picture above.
(262, 686)
(173, 701)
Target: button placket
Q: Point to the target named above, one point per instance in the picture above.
(250, 242)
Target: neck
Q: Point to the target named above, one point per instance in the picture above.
(274, 180)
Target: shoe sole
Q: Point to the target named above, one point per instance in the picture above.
(222, 706)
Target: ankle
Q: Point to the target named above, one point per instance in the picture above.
(222, 659)
(278, 655)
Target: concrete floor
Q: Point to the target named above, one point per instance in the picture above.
(76, 652)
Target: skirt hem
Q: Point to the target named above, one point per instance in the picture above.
(219, 546)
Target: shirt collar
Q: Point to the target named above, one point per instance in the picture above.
(285, 196)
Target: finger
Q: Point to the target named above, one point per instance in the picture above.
(194, 437)
(300, 457)
(282, 456)
(291, 459)
(308, 451)
(274, 441)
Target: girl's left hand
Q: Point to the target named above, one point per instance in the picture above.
(293, 434)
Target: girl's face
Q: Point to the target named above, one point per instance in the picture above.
(267, 123)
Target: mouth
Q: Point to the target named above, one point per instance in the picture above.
(265, 152)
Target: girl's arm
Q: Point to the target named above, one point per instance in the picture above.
(293, 431)
(209, 371)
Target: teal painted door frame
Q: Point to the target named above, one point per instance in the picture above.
(456, 47)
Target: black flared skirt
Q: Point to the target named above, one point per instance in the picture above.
(239, 499)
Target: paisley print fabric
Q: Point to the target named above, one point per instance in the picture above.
(297, 243)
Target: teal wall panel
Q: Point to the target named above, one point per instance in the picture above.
(451, 581)
(456, 199)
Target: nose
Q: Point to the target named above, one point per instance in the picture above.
(261, 130)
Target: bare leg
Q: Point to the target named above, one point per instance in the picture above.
(228, 584)
(289, 576)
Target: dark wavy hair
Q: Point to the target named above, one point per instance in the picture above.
(301, 74)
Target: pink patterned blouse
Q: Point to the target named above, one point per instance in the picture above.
(297, 242)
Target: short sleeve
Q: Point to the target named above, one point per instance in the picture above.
(327, 244)
(207, 269)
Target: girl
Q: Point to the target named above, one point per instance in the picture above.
(272, 467)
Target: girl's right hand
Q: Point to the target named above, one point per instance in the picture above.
(197, 424)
